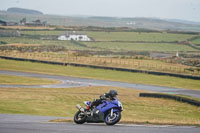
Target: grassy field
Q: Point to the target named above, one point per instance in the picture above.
(19, 80)
(61, 102)
(123, 36)
(100, 74)
(28, 41)
(22, 40)
(113, 46)
(137, 36)
(123, 41)
(122, 46)
(196, 41)
(52, 32)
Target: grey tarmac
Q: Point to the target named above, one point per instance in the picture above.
(11, 123)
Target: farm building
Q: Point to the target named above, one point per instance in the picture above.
(37, 22)
(3, 23)
(77, 36)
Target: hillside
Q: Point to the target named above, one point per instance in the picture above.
(148, 23)
(24, 11)
(135, 23)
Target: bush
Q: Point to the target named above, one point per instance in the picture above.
(2, 42)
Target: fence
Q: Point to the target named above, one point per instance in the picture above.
(103, 67)
(145, 65)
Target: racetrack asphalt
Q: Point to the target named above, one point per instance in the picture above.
(67, 82)
(11, 123)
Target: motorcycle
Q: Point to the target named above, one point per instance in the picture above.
(108, 112)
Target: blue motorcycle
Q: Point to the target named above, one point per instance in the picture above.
(108, 112)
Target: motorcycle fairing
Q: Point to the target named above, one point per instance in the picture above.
(87, 103)
(107, 105)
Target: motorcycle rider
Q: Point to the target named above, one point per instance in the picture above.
(111, 95)
(106, 109)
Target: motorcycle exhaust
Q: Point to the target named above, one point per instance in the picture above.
(80, 108)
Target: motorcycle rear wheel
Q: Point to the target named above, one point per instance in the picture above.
(114, 119)
(79, 118)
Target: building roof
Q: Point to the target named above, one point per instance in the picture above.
(67, 33)
(1, 21)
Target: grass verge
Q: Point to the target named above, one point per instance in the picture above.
(19, 80)
(62, 101)
(100, 74)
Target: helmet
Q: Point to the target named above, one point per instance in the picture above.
(113, 93)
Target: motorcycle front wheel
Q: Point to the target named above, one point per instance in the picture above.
(112, 120)
(79, 117)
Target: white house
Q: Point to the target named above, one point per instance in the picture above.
(77, 36)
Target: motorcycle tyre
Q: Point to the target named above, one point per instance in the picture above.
(83, 120)
(115, 121)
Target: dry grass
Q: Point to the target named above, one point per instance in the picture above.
(141, 64)
(22, 45)
(19, 80)
(61, 102)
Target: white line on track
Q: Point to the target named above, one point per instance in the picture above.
(155, 126)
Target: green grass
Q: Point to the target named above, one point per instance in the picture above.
(40, 32)
(138, 36)
(21, 40)
(122, 36)
(19, 80)
(196, 41)
(113, 46)
(100, 74)
(61, 102)
(167, 41)
(122, 46)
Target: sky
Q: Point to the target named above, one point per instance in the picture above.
(164, 9)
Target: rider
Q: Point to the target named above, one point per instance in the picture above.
(107, 96)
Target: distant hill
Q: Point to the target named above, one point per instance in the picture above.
(96, 21)
(148, 23)
(24, 11)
